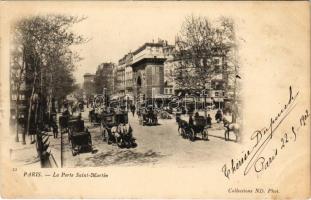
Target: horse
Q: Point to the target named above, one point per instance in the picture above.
(233, 127)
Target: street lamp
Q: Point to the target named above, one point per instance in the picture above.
(104, 95)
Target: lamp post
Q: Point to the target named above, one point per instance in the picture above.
(205, 110)
(104, 95)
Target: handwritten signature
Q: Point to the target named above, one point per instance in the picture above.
(252, 158)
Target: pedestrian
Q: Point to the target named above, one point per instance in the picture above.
(55, 130)
(190, 121)
(227, 129)
(133, 109)
(218, 116)
(196, 115)
(209, 121)
(138, 113)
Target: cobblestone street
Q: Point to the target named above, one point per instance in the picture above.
(156, 145)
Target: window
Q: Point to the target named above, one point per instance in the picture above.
(217, 69)
(14, 97)
(171, 91)
(22, 97)
(165, 90)
(216, 94)
(216, 61)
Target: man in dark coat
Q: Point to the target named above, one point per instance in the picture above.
(209, 121)
(218, 116)
(133, 109)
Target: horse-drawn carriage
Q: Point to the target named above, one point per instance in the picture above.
(78, 135)
(196, 126)
(148, 117)
(116, 129)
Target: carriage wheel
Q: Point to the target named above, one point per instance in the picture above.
(73, 149)
(179, 130)
(90, 141)
(205, 134)
(74, 153)
(183, 133)
(191, 134)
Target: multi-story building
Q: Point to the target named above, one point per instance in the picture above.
(89, 85)
(115, 81)
(124, 79)
(149, 73)
(104, 79)
(129, 78)
(120, 73)
(19, 97)
(215, 89)
(169, 66)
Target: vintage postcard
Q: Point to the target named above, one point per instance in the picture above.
(170, 99)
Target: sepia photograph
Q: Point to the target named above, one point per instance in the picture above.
(149, 101)
(183, 99)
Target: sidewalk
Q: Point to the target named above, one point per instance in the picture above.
(24, 155)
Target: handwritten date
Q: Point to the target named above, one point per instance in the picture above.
(253, 158)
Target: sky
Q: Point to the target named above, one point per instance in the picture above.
(117, 27)
(115, 31)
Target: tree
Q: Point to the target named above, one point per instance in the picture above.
(48, 60)
(18, 77)
(203, 50)
(197, 45)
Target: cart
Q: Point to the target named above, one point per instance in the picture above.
(148, 117)
(116, 129)
(191, 130)
(79, 136)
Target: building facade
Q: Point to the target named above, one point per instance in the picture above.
(89, 84)
(129, 78)
(104, 79)
(20, 91)
(169, 67)
(149, 73)
(120, 78)
(215, 91)
(15, 103)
